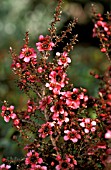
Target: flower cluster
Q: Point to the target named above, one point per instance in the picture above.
(102, 30)
(57, 127)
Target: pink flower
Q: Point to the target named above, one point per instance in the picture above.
(57, 77)
(72, 135)
(67, 163)
(16, 122)
(27, 53)
(31, 107)
(103, 50)
(108, 134)
(40, 70)
(46, 129)
(75, 98)
(60, 117)
(45, 43)
(7, 113)
(103, 26)
(88, 125)
(58, 107)
(72, 98)
(63, 59)
(109, 96)
(101, 145)
(44, 102)
(39, 167)
(57, 80)
(54, 87)
(4, 167)
(33, 159)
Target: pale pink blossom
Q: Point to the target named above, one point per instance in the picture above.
(5, 167)
(88, 125)
(72, 135)
(63, 59)
(108, 134)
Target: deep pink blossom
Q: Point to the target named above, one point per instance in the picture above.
(27, 53)
(31, 107)
(57, 80)
(67, 163)
(45, 43)
(58, 107)
(59, 113)
(57, 77)
(7, 113)
(74, 98)
(44, 102)
(60, 117)
(46, 129)
(33, 159)
(40, 69)
(16, 122)
(103, 26)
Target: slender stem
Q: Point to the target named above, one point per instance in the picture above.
(46, 117)
(108, 57)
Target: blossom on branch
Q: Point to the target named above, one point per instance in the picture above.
(4, 167)
(88, 125)
(72, 135)
(67, 163)
(45, 43)
(63, 59)
(46, 129)
(33, 159)
(27, 53)
(7, 113)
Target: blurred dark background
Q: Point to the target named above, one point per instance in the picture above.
(17, 17)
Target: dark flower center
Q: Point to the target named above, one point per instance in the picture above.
(46, 129)
(7, 112)
(61, 116)
(33, 159)
(64, 165)
(72, 135)
(74, 96)
(28, 53)
(58, 78)
(57, 107)
(45, 45)
(63, 59)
